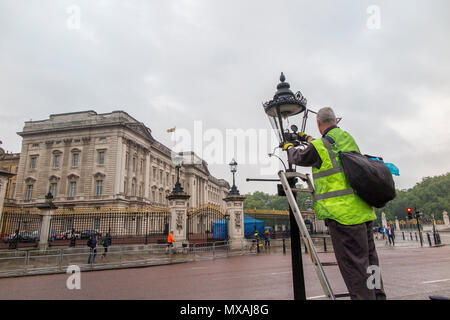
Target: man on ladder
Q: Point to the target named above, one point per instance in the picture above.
(348, 217)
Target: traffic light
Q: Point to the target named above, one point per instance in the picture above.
(410, 213)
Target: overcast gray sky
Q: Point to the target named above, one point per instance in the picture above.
(170, 63)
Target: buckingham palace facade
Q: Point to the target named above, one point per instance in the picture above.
(87, 159)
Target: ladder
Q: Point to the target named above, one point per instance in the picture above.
(284, 176)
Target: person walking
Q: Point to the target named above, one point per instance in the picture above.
(348, 217)
(106, 242)
(391, 236)
(92, 244)
(170, 241)
(267, 238)
(72, 238)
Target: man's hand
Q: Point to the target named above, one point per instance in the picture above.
(288, 145)
(302, 136)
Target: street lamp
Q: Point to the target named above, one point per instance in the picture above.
(49, 199)
(283, 106)
(178, 161)
(233, 168)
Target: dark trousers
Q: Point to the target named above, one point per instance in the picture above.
(355, 251)
(391, 239)
(92, 254)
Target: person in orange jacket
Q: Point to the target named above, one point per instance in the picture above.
(170, 241)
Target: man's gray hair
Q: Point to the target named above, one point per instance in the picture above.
(326, 115)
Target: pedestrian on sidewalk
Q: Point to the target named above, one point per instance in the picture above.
(170, 241)
(92, 244)
(106, 242)
(391, 236)
(72, 238)
(267, 238)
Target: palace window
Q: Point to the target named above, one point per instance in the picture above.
(56, 160)
(98, 187)
(133, 189)
(33, 162)
(29, 193)
(53, 189)
(75, 158)
(101, 157)
(72, 189)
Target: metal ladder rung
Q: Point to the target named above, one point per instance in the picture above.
(327, 264)
(342, 295)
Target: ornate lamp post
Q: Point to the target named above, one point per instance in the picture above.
(284, 105)
(233, 168)
(178, 161)
(49, 200)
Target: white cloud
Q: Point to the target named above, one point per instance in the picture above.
(169, 63)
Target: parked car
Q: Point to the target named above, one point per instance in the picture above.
(24, 236)
(65, 235)
(86, 234)
(9, 237)
(30, 236)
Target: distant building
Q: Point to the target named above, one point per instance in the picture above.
(9, 162)
(104, 160)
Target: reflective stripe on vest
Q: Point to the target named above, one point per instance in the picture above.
(336, 169)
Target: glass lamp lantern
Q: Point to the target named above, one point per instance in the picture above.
(177, 161)
(233, 168)
(284, 105)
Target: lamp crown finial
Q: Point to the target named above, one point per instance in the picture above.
(282, 77)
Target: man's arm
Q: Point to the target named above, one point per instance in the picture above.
(307, 157)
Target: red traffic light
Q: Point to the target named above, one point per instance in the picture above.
(408, 210)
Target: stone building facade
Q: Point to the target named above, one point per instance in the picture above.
(104, 160)
(9, 162)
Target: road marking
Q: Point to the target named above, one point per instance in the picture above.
(434, 281)
(281, 272)
(316, 297)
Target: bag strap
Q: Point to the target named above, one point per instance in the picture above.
(327, 142)
(336, 168)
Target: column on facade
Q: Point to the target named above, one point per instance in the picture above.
(121, 153)
(193, 190)
(3, 185)
(147, 192)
